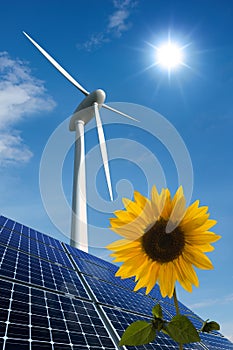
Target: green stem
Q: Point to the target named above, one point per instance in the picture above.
(177, 311)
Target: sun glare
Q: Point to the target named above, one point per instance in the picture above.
(169, 56)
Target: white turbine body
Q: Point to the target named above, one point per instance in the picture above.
(86, 110)
(82, 115)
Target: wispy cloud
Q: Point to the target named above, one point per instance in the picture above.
(21, 96)
(117, 23)
(228, 299)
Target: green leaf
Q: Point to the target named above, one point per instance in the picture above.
(157, 311)
(138, 333)
(210, 326)
(181, 329)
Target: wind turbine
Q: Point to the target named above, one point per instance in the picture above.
(85, 111)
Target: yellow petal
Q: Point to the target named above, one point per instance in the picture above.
(132, 264)
(123, 244)
(191, 210)
(155, 268)
(125, 254)
(194, 223)
(189, 272)
(178, 195)
(149, 278)
(125, 216)
(167, 278)
(203, 238)
(184, 282)
(166, 200)
(197, 258)
(137, 213)
(129, 234)
(155, 202)
(145, 206)
(195, 212)
(208, 224)
(206, 248)
(140, 199)
(176, 214)
(143, 271)
(132, 207)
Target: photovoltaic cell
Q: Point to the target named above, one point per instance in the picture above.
(32, 319)
(29, 232)
(92, 269)
(216, 342)
(91, 258)
(56, 297)
(34, 247)
(113, 295)
(26, 268)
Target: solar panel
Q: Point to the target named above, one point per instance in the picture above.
(29, 232)
(36, 319)
(26, 268)
(120, 320)
(33, 247)
(56, 297)
(91, 258)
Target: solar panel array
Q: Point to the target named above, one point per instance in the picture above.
(56, 297)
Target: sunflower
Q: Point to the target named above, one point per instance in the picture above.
(162, 241)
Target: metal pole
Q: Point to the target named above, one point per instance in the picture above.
(79, 238)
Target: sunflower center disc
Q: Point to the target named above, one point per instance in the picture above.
(161, 246)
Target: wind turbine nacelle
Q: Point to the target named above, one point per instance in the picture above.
(85, 110)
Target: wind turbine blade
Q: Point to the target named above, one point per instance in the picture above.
(57, 65)
(119, 112)
(103, 149)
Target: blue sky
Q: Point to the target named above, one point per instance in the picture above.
(111, 45)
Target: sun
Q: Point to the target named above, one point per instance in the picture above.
(169, 55)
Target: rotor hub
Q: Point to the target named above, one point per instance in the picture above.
(85, 110)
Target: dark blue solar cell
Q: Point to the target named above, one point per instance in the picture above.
(19, 317)
(19, 306)
(8, 223)
(18, 331)
(39, 321)
(4, 313)
(42, 346)
(2, 329)
(5, 285)
(3, 220)
(60, 336)
(12, 344)
(38, 333)
(18, 227)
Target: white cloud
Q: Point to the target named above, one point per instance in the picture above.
(21, 96)
(117, 23)
(209, 302)
(95, 41)
(12, 150)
